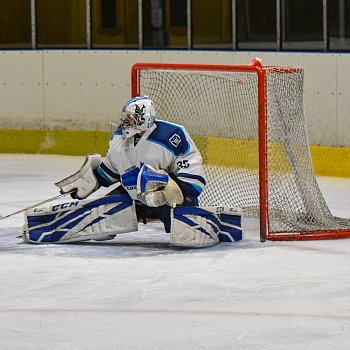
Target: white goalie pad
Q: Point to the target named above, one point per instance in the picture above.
(197, 227)
(75, 221)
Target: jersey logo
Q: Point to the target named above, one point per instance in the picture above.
(175, 140)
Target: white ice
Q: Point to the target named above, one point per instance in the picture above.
(138, 293)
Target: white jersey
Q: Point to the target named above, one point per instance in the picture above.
(165, 146)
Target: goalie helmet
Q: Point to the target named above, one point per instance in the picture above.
(138, 115)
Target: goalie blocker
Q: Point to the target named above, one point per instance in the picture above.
(104, 217)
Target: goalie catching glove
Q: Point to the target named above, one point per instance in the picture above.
(156, 188)
(81, 184)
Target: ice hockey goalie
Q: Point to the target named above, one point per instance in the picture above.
(161, 176)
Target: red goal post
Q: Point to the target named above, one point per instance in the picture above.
(257, 154)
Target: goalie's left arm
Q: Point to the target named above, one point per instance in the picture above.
(187, 170)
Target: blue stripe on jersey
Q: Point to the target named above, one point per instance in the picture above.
(192, 176)
(190, 189)
(104, 179)
(170, 136)
(108, 171)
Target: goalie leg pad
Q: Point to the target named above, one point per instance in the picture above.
(77, 221)
(197, 227)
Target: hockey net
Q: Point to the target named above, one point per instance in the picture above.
(248, 123)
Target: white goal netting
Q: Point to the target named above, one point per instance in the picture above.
(220, 111)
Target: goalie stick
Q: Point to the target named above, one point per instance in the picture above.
(116, 185)
(34, 205)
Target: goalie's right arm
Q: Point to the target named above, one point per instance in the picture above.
(92, 175)
(84, 182)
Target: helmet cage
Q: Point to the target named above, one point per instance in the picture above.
(137, 115)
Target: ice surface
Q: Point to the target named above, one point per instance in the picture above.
(136, 292)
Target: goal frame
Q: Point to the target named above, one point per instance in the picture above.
(260, 71)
